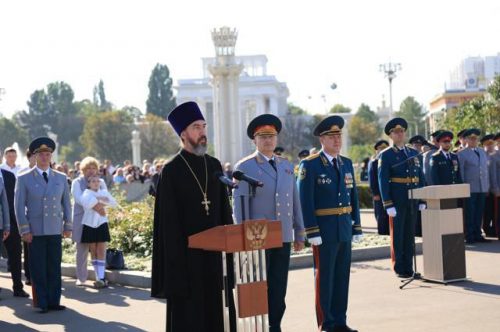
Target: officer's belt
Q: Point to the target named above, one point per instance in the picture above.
(333, 211)
(405, 180)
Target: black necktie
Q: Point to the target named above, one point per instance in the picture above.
(477, 154)
(273, 163)
(335, 165)
(45, 177)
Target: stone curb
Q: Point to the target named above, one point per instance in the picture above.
(358, 255)
(143, 279)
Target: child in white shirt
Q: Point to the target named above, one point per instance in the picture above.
(95, 227)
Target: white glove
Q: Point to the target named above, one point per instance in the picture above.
(357, 238)
(422, 206)
(315, 241)
(391, 212)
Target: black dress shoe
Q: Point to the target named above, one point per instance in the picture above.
(404, 275)
(482, 239)
(343, 328)
(43, 311)
(21, 293)
(27, 282)
(57, 307)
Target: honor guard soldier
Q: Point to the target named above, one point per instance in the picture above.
(490, 222)
(278, 199)
(380, 214)
(444, 163)
(43, 212)
(399, 170)
(473, 164)
(329, 200)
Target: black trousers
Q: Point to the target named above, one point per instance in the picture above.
(15, 246)
(278, 262)
(489, 222)
(45, 260)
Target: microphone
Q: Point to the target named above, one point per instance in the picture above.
(227, 181)
(240, 176)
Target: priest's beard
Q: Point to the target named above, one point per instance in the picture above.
(198, 147)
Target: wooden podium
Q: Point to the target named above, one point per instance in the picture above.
(248, 242)
(443, 232)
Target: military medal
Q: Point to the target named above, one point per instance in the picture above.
(205, 200)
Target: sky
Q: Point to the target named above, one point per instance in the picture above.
(309, 45)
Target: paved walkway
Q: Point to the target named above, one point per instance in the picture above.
(376, 303)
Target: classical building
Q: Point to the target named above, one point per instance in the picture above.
(236, 102)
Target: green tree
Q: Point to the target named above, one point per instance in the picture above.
(133, 111)
(413, 113)
(363, 132)
(11, 133)
(100, 97)
(359, 152)
(296, 134)
(364, 127)
(367, 114)
(494, 89)
(476, 113)
(161, 98)
(339, 108)
(51, 109)
(107, 135)
(157, 138)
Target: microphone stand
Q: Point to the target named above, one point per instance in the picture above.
(416, 275)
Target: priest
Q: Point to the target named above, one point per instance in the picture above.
(190, 199)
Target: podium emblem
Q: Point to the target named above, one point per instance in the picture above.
(255, 234)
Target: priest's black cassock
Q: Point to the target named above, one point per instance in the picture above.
(190, 279)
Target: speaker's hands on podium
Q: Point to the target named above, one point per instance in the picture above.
(422, 206)
(391, 212)
(315, 241)
(357, 238)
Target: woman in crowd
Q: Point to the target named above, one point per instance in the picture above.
(89, 166)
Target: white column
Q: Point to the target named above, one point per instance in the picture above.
(136, 148)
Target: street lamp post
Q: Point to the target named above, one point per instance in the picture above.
(390, 69)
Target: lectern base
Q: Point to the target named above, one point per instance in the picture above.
(444, 282)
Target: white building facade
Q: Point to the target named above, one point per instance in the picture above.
(258, 93)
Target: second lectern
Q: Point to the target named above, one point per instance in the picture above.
(443, 232)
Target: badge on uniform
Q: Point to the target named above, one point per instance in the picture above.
(302, 174)
(323, 179)
(416, 161)
(455, 165)
(348, 180)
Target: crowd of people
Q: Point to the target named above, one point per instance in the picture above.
(37, 210)
(316, 200)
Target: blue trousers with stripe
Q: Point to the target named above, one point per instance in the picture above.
(332, 265)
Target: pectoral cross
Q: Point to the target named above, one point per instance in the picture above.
(206, 202)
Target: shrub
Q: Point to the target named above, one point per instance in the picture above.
(365, 196)
(131, 226)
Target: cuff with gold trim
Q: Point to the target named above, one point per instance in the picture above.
(357, 230)
(388, 204)
(312, 232)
